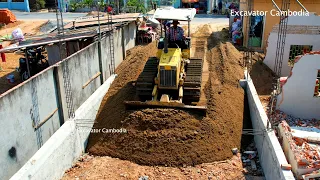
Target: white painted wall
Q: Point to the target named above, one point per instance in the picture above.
(60, 152)
(16, 105)
(105, 52)
(271, 155)
(311, 20)
(292, 39)
(16, 130)
(297, 94)
(82, 67)
(118, 51)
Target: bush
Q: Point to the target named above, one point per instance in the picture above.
(40, 4)
(88, 3)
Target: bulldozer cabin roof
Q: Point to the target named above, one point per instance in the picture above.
(170, 13)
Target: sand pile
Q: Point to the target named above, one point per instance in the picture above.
(6, 16)
(261, 75)
(173, 137)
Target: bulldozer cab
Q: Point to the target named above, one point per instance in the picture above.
(171, 79)
(163, 15)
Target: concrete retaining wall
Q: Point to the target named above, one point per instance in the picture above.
(82, 66)
(28, 104)
(67, 144)
(269, 149)
(43, 99)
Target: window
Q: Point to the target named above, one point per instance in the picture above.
(17, 0)
(316, 88)
(3, 0)
(296, 50)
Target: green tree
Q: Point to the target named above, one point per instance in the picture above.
(138, 4)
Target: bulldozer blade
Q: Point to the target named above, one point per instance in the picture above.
(135, 105)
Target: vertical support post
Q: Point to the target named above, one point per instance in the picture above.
(9, 4)
(99, 48)
(26, 6)
(122, 43)
(27, 61)
(58, 94)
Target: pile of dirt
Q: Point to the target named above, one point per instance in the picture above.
(92, 168)
(173, 137)
(6, 16)
(261, 75)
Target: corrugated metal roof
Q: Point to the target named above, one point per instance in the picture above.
(71, 34)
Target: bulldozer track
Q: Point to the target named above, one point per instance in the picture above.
(192, 83)
(145, 81)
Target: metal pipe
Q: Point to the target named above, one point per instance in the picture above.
(58, 86)
(302, 5)
(276, 5)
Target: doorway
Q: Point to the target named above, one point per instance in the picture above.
(256, 31)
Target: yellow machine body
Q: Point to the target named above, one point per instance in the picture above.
(170, 67)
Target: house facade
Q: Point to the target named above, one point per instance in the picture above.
(269, 19)
(22, 5)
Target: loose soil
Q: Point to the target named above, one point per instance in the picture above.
(28, 28)
(90, 167)
(172, 137)
(261, 75)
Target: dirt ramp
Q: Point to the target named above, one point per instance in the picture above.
(225, 96)
(168, 136)
(112, 110)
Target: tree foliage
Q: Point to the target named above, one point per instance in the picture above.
(138, 4)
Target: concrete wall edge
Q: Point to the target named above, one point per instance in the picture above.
(271, 150)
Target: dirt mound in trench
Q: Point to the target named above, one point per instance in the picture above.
(261, 75)
(174, 137)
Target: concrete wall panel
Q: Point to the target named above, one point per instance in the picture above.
(297, 93)
(19, 108)
(126, 39)
(37, 98)
(269, 149)
(82, 66)
(118, 51)
(67, 144)
(132, 35)
(105, 52)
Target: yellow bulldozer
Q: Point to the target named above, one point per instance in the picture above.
(171, 79)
